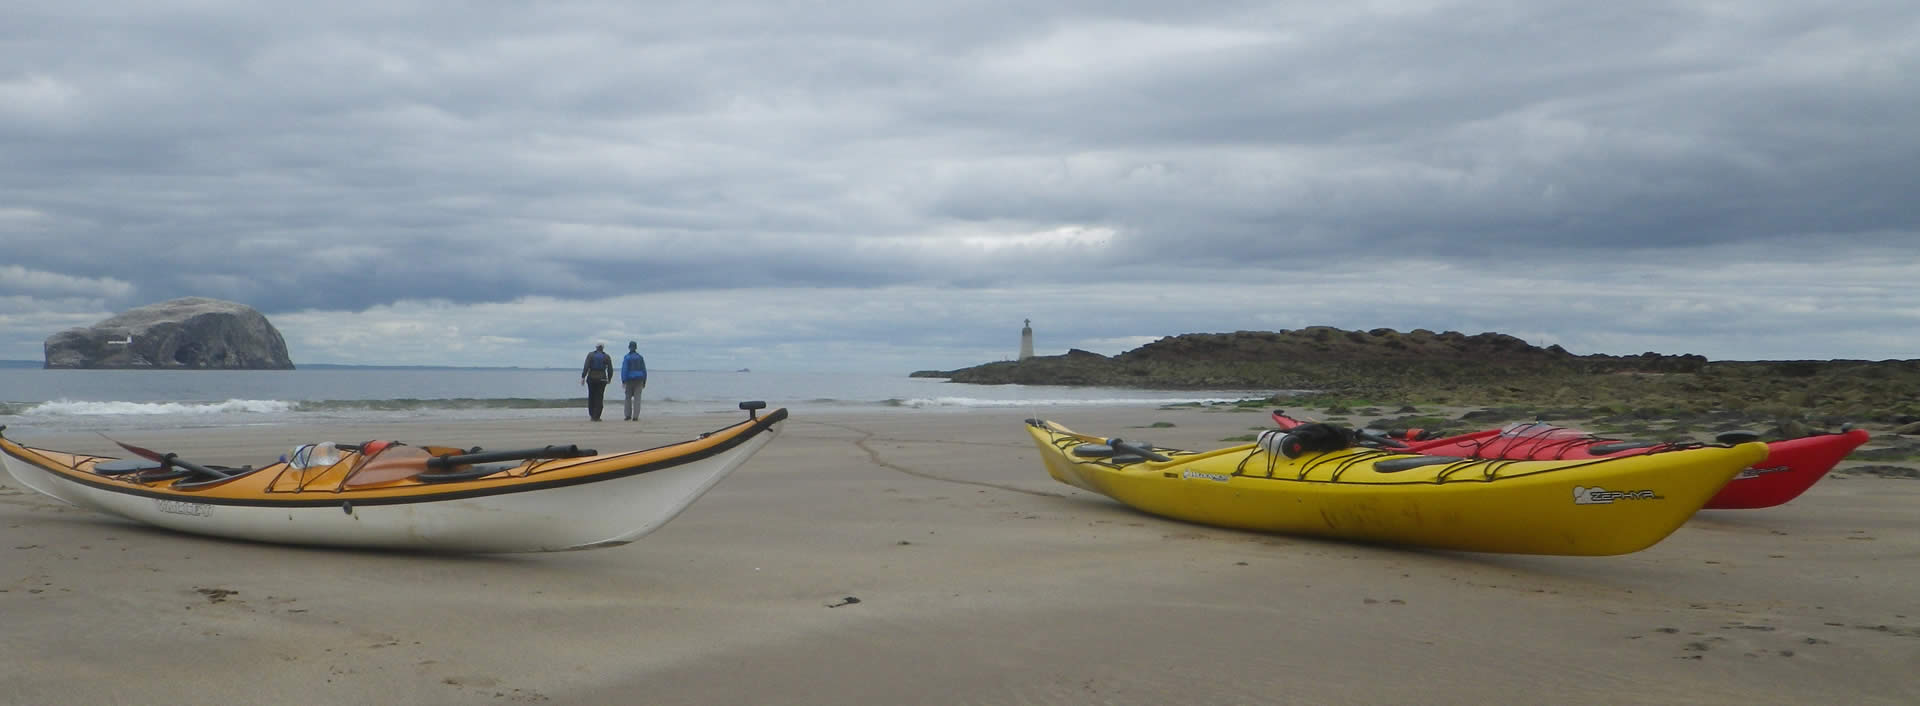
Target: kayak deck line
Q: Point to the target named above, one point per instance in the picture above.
(1491, 468)
(275, 493)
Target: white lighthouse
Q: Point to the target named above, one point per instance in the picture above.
(1026, 339)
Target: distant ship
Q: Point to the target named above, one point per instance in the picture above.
(743, 370)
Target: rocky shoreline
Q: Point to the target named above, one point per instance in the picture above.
(1385, 367)
(1453, 383)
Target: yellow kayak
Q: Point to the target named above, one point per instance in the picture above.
(1583, 507)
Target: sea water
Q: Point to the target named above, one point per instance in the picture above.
(104, 400)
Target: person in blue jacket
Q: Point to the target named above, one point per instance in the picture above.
(633, 374)
(595, 375)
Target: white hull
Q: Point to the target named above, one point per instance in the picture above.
(589, 514)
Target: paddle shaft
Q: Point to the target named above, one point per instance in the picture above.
(198, 469)
(452, 460)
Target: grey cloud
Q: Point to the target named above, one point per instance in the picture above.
(342, 157)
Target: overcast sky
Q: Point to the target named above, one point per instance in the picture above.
(894, 186)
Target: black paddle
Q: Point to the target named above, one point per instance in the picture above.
(168, 459)
(451, 460)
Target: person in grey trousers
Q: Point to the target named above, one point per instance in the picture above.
(633, 375)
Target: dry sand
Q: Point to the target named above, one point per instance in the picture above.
(979, 580)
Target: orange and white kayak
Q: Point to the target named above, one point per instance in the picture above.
(397, 496)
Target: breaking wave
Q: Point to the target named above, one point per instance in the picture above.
(454, 403)
(71, 408)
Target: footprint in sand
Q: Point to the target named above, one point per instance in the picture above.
(489, 685)
(215, 595)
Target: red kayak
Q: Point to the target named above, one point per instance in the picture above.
(1790, 468)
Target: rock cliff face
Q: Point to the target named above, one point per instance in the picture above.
(192, 333)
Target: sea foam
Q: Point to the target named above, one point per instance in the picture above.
(72, 408)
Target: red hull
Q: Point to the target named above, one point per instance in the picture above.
(1790, 468)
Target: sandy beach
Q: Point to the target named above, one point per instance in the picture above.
(926, 558)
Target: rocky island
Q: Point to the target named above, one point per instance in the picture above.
(191, 333)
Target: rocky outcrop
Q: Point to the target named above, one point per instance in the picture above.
(192, 333)
(1325, 343)
(1328, 343)
(1388, 367)
(1308, 356)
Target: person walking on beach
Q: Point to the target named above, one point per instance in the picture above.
(633, 375)
(596, 373)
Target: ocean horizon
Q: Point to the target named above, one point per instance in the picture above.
(41, 365)
(65, 400)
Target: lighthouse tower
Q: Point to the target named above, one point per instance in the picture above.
(1026, 339)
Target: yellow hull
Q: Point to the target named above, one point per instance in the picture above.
(1588, 507)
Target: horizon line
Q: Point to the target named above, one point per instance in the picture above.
(29, 363)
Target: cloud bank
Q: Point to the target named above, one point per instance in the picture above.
(872, 186)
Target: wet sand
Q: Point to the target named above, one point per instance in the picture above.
(978, 579)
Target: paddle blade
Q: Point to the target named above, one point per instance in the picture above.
(148, 454)
(395, 463)
(1281, 419)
